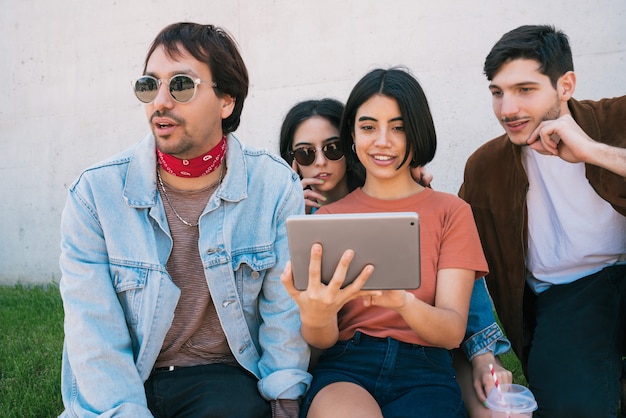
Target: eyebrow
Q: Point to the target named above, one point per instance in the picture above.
(364, 118)
(189, 72)
(325, 141)
(520, 84)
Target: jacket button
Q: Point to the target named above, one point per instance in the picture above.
(255, 275)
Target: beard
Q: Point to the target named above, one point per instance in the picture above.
(521, 137)
(554, 112)
(180, 147)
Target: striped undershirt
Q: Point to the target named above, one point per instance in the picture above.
(196, 336)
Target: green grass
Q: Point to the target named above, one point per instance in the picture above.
(511, 362)
(31, 341)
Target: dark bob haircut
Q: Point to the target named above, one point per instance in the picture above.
(396, 83)
(213, 46)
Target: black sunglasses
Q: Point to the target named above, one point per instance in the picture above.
(182, 87)
(306, 155)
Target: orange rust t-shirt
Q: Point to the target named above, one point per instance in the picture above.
(448, 239)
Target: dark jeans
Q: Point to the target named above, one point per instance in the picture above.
(210, 391)
(575, 359)
(407, 380)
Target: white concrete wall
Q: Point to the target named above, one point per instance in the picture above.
(66, 101)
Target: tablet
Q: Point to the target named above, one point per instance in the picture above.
(388, 240)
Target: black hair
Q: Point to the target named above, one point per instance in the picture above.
(215, 47)
(542, 43)
(329, 109)
(396, 83)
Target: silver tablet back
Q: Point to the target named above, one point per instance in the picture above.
(388, 240)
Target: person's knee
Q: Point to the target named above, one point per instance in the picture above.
(344, 399)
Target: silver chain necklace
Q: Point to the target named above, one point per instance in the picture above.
(169, 202)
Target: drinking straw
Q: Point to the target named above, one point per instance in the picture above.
(495, 381)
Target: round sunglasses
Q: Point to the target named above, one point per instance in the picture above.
(306, 155)
(182, 87)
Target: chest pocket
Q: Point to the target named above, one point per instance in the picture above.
(129, 283)
(250, 269)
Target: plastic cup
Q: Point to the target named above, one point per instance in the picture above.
(511, 401)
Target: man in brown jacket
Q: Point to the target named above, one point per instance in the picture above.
(549, 199)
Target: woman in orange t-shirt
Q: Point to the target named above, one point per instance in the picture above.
(387, 352)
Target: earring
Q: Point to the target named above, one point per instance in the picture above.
(353, 148)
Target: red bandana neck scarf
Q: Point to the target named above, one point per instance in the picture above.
(196, 167)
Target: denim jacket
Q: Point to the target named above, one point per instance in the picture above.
(483, 333)
(119, 299)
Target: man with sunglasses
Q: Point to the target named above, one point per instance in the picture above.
(172, 253)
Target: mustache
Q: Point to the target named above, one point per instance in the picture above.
(505, 119)
(166, 114)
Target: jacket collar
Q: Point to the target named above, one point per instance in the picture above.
(584, 118)
(140, 185)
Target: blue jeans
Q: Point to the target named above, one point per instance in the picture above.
(407, 380)
(575, 358)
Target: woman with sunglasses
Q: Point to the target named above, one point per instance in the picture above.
(312, 126)
(387, 352)
(309, 141)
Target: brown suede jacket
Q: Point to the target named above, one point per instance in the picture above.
(495, 185)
